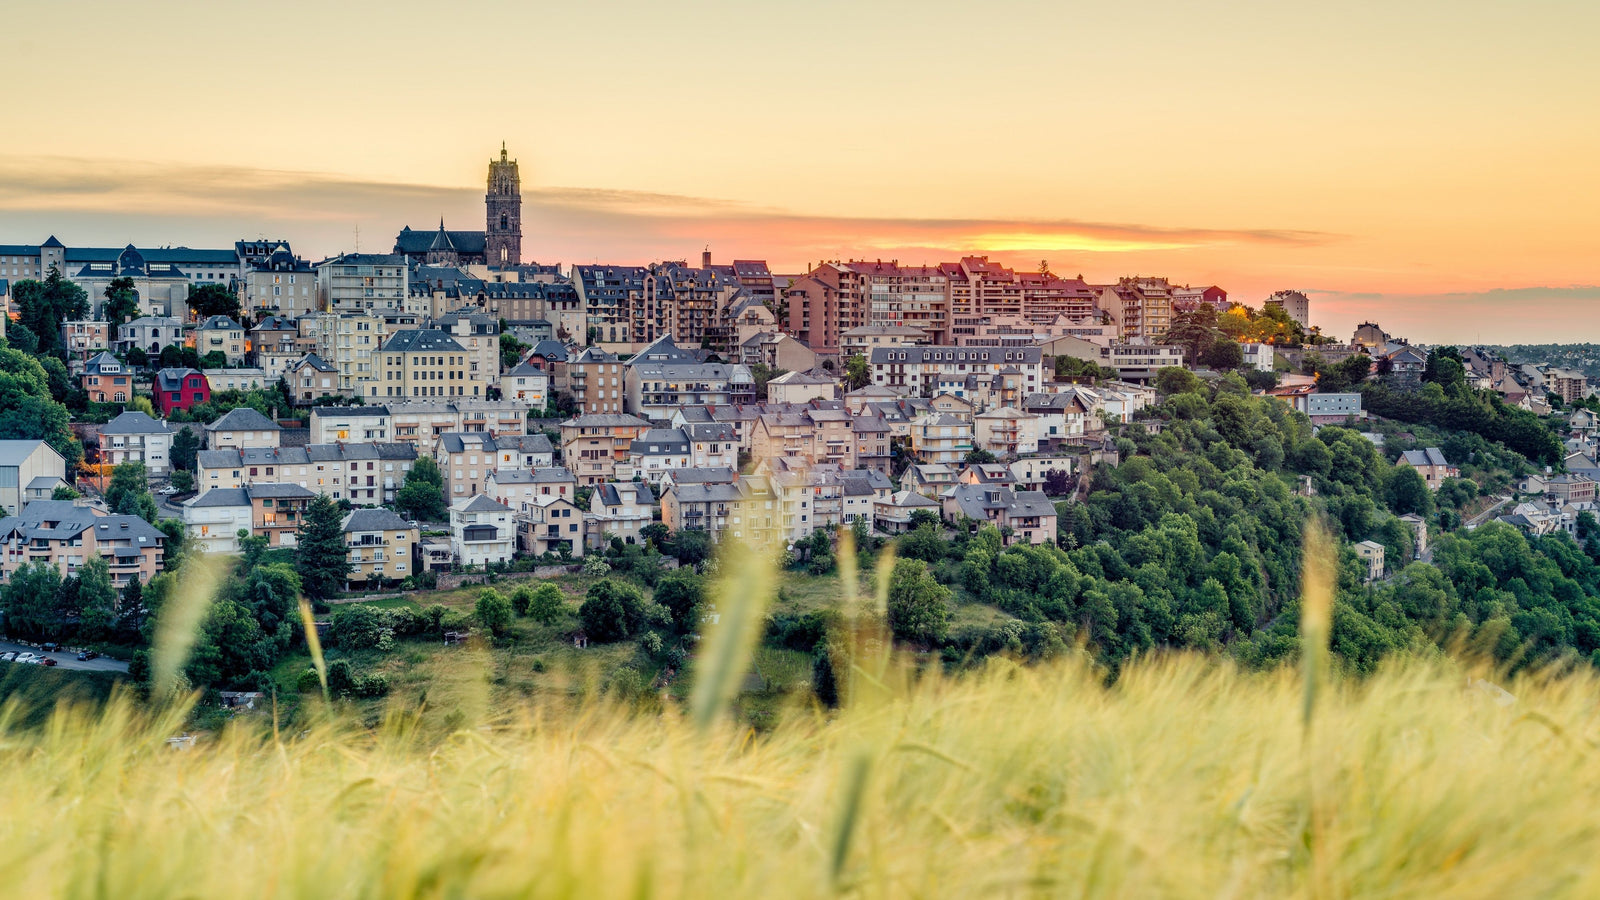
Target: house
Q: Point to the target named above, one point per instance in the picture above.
(519, 488)
(656, 389)
(593, 444)
(21, 463)
(380, 547)
(658, 450)
(952, 405)
(1006, 432)
(528, 383)
(798, 387)
(42, 487)
(240, 379)
(1430, 464)
(1022, 516)
(176, 389)
(481, 531)
(550, 524)
(65, 533)
(135, 437)
(1371, 552)
(466, 459)
(523, 451)
(619, 509)
(220, 334)
(106, 380)
(1419, 534)
(711, 445)
(1032, 473)
(311, 378)
(242, 427)
(929, 479)
(777, 350)
(1061, 415)
(717, 475)
(745, 509)
(1565, 489)
(817, 435)
(893, 514)
(998, 474)
(873, 443)
(277, 510)
(213, 519)
(150, 334)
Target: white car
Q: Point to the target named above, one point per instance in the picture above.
(169, 489)
(27, 658)
(8, 656)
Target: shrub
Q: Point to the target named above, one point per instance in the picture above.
(494, 611)
(611, 611)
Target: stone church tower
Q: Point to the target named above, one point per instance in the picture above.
(503, 206)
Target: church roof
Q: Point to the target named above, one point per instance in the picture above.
(411, 242)
(441, 240)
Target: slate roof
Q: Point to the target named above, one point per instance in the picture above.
(221, 497)
(135, 422)
(280, 490)
(975, 501)
(243, 419)
(705, 475)
(659, 442)
(413, 340)
(373, 520)
(480, 503)
(611, 493)
(219, 323)
(1432, 456)
(418, 242)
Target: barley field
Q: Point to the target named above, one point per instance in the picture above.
(1184, 777)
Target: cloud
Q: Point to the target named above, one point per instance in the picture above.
(574, 223)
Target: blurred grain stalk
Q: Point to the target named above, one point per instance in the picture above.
(1187, 778)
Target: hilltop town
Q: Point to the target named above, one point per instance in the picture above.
(450, 412)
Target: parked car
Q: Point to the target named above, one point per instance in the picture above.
(87, 655)
(48, 661)
(169, 489)
(8, 656)
(27, 658)
(50, 647)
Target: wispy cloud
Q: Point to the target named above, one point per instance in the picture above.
(1494, 316)
(576, 222)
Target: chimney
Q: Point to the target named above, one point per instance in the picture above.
(705, 258)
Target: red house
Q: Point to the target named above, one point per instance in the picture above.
(180, 389)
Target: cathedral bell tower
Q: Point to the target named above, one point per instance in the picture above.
(502, 244)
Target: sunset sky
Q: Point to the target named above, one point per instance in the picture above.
(1432, 165)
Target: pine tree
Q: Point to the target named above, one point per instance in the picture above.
(320, 556)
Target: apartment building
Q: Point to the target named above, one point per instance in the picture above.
(83, 338)
(220, 334)
(135, 437)
(742, 510)
(1006, 432)
(417, 420)
(592, 445)
(518, 488)
(860, 341)
(1140, 306)
(68, 533)
(365, 474)
(1294, 303)
(656, 389)
(280, 284)
(479, 336)
(466, 459)
(712, 445)
(1568, 384)
(813, 435)
(242, 379)
(381, 547)
(213, 520)
(523, 451)
(940, 438)
(353, 282)
(275, 342)
(596, 380)
(277, 511)
(350, 342)
(812, 308)
(1140, 362)
(916, 370)
(425, 363)
(528, 383)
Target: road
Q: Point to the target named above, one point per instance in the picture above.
(1482, 517)
(65, 660)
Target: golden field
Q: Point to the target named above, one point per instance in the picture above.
(1185, 778)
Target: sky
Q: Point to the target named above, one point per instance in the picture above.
(1427, 165)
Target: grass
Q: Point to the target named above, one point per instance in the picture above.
(487, 777)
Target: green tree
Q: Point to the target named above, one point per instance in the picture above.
(978, 455)
(185, 449)
(64, 492)
(511, 349)
(320, 555)
(29, 412)
(857, 373)
(122, 301)
(30, 597)
(1071, 368)
(1407, 492)
(128, 494)
(1177, 380)
(422, 495)
(611, 611)
(182, 480)
(691, 548)
(43, 305)
(97, 599)
(1223, 355)
(682, 592)
(546, 604)
(923, 542)
(208, 300)
(493, 611)
(131, 611)
(919, 606)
